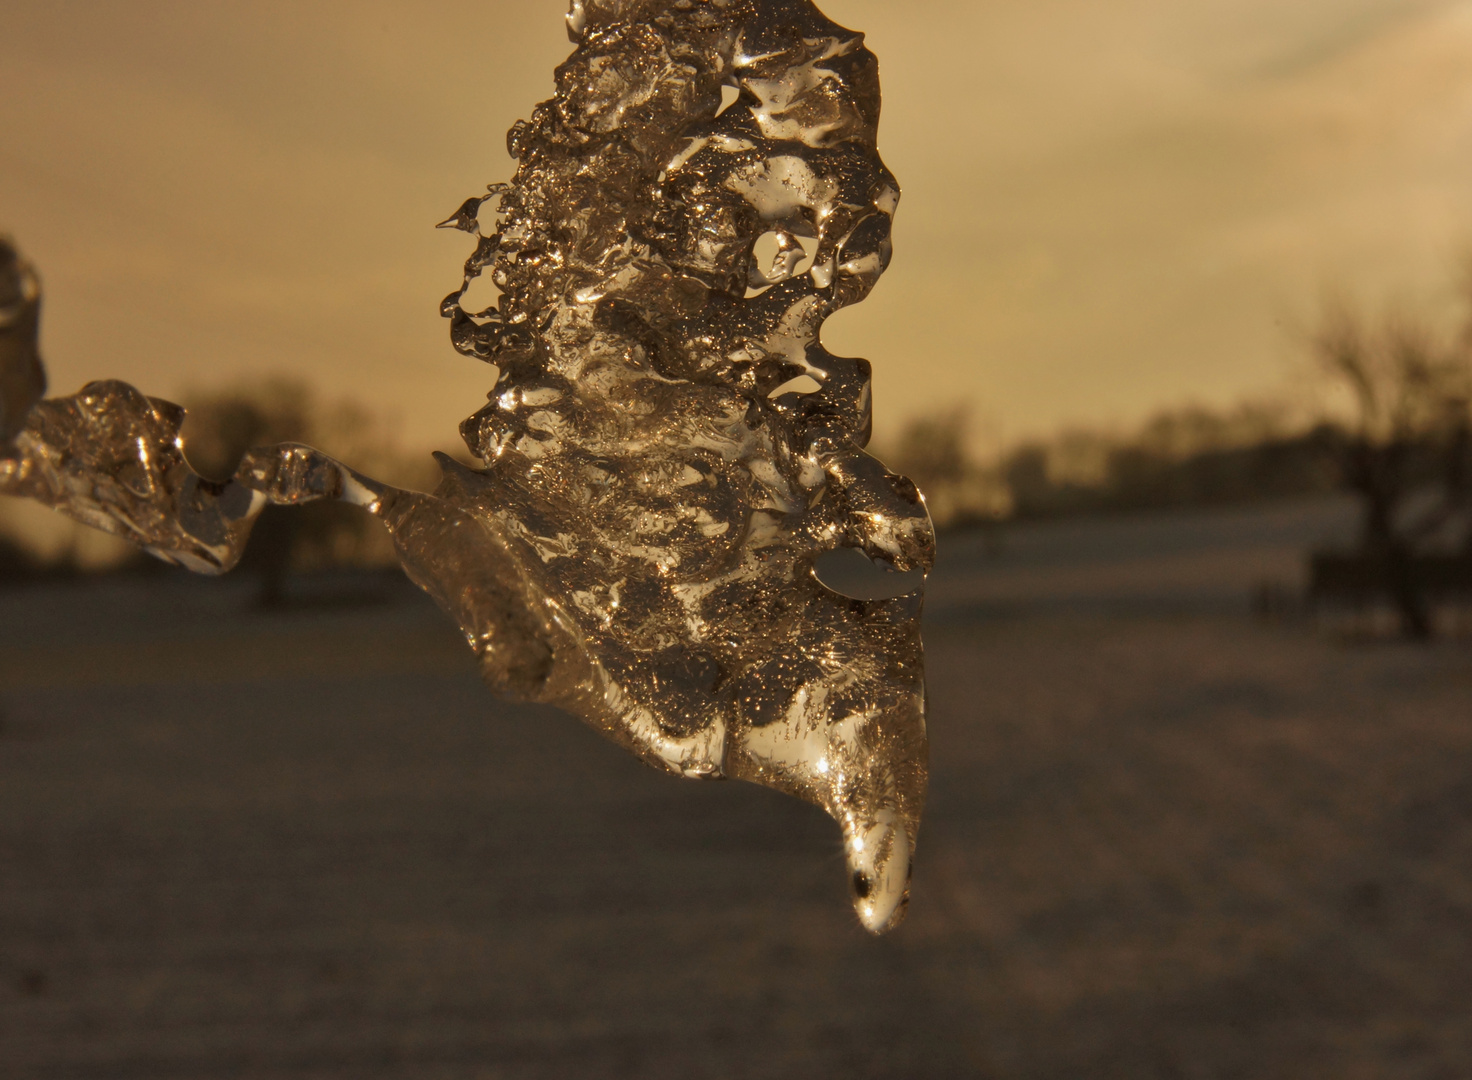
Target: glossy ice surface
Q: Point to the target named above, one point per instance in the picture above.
(701, 193)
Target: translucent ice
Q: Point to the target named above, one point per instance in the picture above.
(639, 547)
(22, 379)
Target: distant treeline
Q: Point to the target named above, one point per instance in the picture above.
(1179, 458)
(1407, 435)
(1399, 440)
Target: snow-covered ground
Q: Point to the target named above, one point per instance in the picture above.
(1164, 840)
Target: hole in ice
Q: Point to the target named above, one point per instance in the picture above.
(729, 94)
(766, 253)
(809, 249)
(803, 384)
(851, 573)
(779, 255)
(480, 296)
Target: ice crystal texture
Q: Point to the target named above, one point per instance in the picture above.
(639, 547)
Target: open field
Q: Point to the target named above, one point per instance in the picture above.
(1164, 841)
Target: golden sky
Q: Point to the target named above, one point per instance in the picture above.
(1109, 207)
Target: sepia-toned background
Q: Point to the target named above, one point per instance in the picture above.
(1202, 772)
(1108, 208)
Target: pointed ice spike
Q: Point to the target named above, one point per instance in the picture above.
(465, 218)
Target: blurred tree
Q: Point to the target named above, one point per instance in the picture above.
(933, 451)
(1029, 480)
(222, 426)
(1191, 456)
(1407, 453)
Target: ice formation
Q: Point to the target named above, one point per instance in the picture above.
(639, 547)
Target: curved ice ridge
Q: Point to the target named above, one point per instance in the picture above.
(701, 193)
